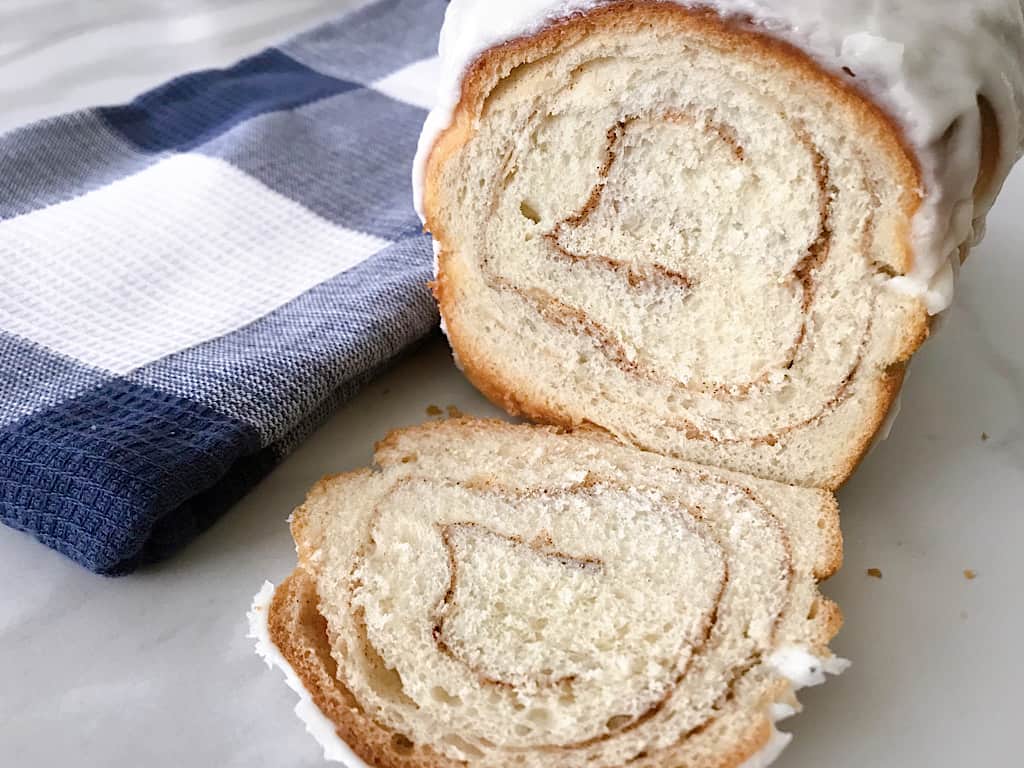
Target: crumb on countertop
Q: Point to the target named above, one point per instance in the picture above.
(433, 410)
(875, 573)
(453, 412)
(984, 437)
(970, 575)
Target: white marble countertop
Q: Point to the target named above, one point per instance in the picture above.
(155, 669)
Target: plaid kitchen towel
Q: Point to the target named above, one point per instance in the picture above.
(189, 283)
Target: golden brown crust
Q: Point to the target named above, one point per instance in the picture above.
(728, 34)
(888, 391)
(832, 533)
(990, 143)
(487, 378)
(300, 633)
(390, 442)
(306, 540)
(830, 622)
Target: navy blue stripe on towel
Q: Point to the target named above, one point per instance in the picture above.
(125, 474)
(191, 110)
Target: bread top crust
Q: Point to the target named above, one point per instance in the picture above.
(955, 87)
(485, 71)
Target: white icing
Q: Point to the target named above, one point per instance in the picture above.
(780, 711)
(802, 668)
(924, 61)
(317, 724)
(771, 751)
(885, 431)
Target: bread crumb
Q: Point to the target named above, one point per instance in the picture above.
(433, 410)
(875, 573)
(970, 575)
(984, 437)
(453, 412)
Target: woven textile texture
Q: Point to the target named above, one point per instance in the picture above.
(190, 282)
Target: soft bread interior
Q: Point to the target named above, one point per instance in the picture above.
(498, 595)
(662, 223)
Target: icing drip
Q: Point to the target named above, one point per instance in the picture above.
(803, 670)
(928, 63)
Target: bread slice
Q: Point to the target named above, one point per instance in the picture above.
(665, 223)
(499, 595)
